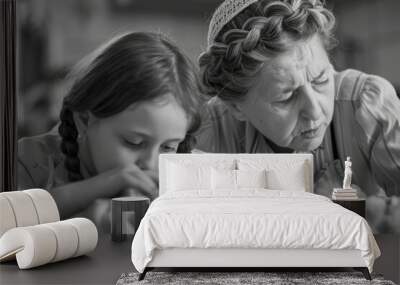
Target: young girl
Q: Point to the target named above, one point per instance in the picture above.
(129, 101)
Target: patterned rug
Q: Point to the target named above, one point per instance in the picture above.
(243, 278)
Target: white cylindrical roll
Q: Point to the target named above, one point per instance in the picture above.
(67, 239)
(10, 243)
(45, 205)
(23, 208)
(34, 245)
(40, 244)
(87, 233)
(40, 247)
(7, 218)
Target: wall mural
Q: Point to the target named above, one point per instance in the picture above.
(303, 101)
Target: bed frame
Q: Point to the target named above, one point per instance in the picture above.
(236, 259)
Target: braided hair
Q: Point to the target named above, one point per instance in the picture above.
(131, 68)
(260, 32)
(69, 144)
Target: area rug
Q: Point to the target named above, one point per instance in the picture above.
(244, 278)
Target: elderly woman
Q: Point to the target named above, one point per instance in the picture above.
(275, 90)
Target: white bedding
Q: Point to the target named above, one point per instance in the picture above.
(251, 218)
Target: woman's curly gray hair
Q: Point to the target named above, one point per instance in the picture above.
(261, 31)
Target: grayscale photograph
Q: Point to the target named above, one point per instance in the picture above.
(200, 142)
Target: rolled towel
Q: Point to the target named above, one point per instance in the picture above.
(67, 238)
(7, 218)
(26, 208)
(40, 244)
(32, 246)
(45, 205)
(23, 209)
(87, 233)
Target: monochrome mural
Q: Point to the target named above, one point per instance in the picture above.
(107, 85)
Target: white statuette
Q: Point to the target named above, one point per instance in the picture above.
(347, 174)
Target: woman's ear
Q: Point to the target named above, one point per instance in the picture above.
(81, 120)
(235, 109)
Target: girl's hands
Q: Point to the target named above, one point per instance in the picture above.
(134, 181)
(74, 197)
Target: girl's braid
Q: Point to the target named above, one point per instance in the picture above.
(69, 144)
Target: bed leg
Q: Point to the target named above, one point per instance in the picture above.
(364, 271)
(143, 274)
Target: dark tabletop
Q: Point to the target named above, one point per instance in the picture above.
(104, 265)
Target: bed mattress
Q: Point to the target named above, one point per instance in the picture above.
(250, 219)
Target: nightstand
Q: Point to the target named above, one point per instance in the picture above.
(127, 212)
(356, 205)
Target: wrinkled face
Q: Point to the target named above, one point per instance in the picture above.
(136, 135)
(292, 102)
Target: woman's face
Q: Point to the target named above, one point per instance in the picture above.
(292, 101)
(137, 135)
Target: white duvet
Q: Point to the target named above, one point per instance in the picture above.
(252, 218)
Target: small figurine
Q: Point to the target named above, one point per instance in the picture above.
(347, 174)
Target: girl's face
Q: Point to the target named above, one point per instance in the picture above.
(136, 135)
(292, 102)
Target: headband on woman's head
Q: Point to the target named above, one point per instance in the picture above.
(224, 13)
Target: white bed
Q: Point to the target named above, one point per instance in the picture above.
(279, 224)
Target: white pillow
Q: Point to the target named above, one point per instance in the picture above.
(206, 162)
(181, 177)
(193, 174)
(281, 174)
(288, 179)
(223, 179)
(226, 179)
(251, 178)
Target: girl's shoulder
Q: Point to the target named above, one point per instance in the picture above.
(40, 147)
(38, 157)
(220, 131)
